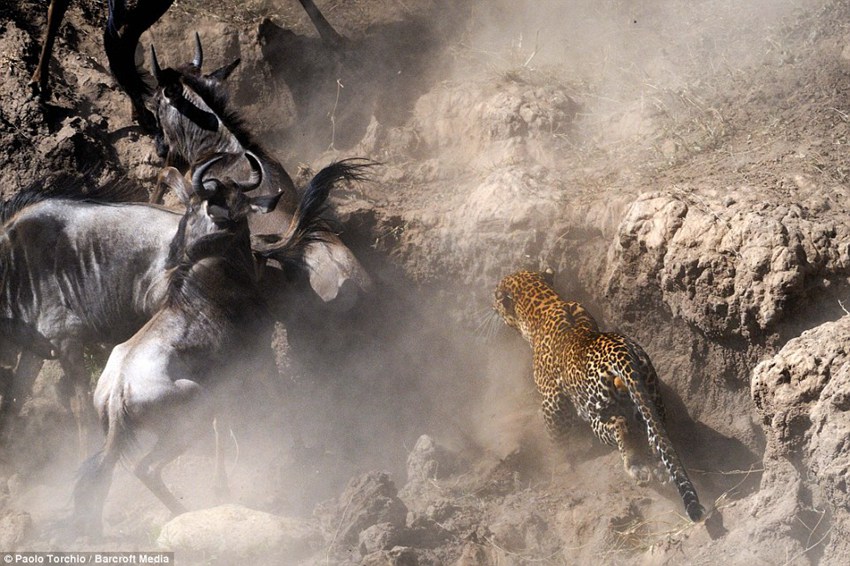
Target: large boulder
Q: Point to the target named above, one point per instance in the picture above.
(803, 396)
(235, 534)
(368, 500)
(728, 266)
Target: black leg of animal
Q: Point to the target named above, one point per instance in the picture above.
(8, 360)
(328, 34)
(74, 389)
(28, 368)
(120, 39)
(149, 469)
(7, 377)
(19, 387)
(55, 13)
(93, 483)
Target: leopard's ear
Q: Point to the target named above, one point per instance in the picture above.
(505, 299)
(549, 276)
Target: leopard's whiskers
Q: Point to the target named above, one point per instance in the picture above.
(488, 324)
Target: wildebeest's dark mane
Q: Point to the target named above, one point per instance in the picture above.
(66, 186)
(223, 292)
(216, 97)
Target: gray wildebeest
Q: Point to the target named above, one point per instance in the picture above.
(195, 119)
(76, 273)
(77, 269)
(210, 333)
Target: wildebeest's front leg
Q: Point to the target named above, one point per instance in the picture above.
(55, 13)
(18, 385)
(74, 390)
(221, 489)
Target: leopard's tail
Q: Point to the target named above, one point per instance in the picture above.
(659, 441)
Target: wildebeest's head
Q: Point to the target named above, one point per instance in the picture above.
(216, 209)
(190, 107)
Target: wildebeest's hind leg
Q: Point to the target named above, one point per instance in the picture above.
(328, 34)
(55, 14)
(168, 446)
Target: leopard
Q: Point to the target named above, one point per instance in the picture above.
(606, 377)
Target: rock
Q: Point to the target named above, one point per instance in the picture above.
(518, 529)
(382, 536)
(232, 532)
(15, 529)
(466, 121)
(429, 461)
(803, 396)
(726, 267)
(401, 556)
(367, 500)
(474, 554)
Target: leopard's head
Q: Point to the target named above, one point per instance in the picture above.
(518, 295)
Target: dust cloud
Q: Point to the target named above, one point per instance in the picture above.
(402, 364)
(357, 387)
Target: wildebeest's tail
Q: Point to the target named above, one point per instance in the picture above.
(120, 39)
(659, 441)
(307, 224)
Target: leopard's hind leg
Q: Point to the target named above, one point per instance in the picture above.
(614, 431)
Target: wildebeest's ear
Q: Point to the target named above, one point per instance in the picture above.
(222, 73)
(172, 179)
(264, 204)
(330, 265)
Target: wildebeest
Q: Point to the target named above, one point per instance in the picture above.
(195, 118)
(121, 35)
(166, 379)
(75, 272)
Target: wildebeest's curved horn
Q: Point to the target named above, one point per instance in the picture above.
(198, 60)
(256, 178)
(157, 71)
(201, 170)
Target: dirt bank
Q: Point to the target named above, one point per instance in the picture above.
(682, 169)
